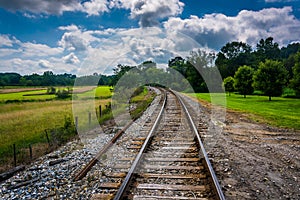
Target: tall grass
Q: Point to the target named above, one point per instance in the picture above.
(24, 123)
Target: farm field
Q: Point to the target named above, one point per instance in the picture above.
(18, 89)
(280, 112)
(26, 95)
(24, 123)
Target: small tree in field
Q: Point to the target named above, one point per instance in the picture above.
(295, 82)
(243, 80)
(229, 84)
(270, 78)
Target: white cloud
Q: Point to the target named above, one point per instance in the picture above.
(76, 39)
(38, 50)
(71, 59)
(6, 41)
(69, 28)
(148, 12)
(50, 7)
(45, 64)
(215, 30)
(95, 7)
(42, 6)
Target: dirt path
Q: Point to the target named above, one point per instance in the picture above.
(255, 161)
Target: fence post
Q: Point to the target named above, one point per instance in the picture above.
(48, 140)
(30, 151)
(76, 123)
(15, 155)
(100, 111)
(90, 118)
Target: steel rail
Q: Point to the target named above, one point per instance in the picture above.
(216, 184)
(94, 160)
(125, 184)
(82, 173)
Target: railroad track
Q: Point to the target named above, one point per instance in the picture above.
(167, 162)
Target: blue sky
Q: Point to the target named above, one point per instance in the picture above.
(82, 37)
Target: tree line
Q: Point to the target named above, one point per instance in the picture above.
(268, 69)
(48, 78)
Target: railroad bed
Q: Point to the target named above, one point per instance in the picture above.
(164, 163)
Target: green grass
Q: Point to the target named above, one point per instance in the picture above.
(142, 101)
(24, 123)
(280, 112)
(101, 92)
(29, 95)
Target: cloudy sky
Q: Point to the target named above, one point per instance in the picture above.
(87, 36)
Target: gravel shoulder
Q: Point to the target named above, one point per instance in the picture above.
(252, 160)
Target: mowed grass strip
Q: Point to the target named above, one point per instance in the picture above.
(102, 92)
(280, 112)
(28, 95)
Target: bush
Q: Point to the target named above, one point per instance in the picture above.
(63, 134)
(63, 94)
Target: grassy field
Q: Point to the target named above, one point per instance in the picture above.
(281, 112)
(26, 95)
(24, 123)
(102, 92)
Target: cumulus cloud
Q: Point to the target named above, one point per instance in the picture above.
(50, 7)
(73, 43)
(41, 6)
(215, 30)
(6, 41)
(71, 59)
(71, 27)
(149, 12)
(45, 64)
(95, 7)
(76, 39)
(38, 50)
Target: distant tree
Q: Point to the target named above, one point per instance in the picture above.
(202, 73)
(289, 63)
(119, 71)
(229, 84)
(243, 80)
(295, 82)
(293, 48)
(2, 83)
(267, 49)
(231, 56)
(270, 78)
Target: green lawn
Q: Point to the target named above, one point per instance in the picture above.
(281, 112)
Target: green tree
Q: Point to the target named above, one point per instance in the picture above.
(270, 78)
(295, 82)
(229, 84)
(267, 49)
(243, 80)
(232, 56)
